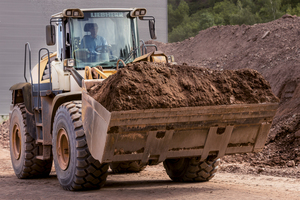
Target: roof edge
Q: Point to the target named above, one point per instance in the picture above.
(60, 14)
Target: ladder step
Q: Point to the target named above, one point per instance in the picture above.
(39, 124)
(37, 109)
(39, 141)
(46, 153)
(40, 157)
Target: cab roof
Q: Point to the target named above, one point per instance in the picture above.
(60, 14)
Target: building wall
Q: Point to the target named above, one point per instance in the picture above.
(24, 21)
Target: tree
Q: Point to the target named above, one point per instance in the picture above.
(185, 30)
(270, 10)
(244, 15)
(191, 26)
(293, 10)
(176, 16)
(224, 10)
(187, 18)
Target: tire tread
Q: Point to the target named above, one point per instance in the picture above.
(32, 167)
(89, 173)
(191, 170)
(127, 167)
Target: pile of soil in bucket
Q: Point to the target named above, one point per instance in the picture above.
(147, 85)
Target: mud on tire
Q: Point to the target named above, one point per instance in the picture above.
(127, 167)
(23, 148)
(75, 167)
(191, 169)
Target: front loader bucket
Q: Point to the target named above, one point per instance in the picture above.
(159, 134)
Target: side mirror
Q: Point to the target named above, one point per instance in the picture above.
(50, 35)
(152, 29)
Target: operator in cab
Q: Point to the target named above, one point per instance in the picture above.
(93, 43)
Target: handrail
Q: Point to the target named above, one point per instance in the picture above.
(27, 47)
(144, 46)
(150, 45)
(39, 72)
(120, 60)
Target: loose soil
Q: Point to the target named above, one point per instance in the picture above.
(152, 183)
(148, 85)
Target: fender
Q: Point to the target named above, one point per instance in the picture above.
(60, 99)
(22, 93)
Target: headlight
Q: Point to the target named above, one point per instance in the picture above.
(69, 13)
(138, 12)
(77, 13)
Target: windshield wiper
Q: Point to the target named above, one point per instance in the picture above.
(131, 53)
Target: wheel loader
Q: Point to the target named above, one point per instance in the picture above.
(54, 119)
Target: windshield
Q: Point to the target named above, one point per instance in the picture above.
(101, 38)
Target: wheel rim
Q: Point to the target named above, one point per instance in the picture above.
(16, 142)
(62, 150)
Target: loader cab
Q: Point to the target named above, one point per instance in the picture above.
(88, 39)
(103, 37)
(96, 37)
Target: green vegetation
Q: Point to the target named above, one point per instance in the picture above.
(187, 17)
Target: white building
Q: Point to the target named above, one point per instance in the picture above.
(24, 21)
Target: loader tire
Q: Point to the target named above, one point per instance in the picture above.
(23, 148)
(191, 169)
(75, 167)
(127, 167)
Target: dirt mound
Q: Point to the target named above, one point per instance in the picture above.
(157, 85)
(4, 134)
(273, 49)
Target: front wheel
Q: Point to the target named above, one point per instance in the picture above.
(75, 167)
(191, 169)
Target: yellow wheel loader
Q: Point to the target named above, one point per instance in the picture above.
(53, 118)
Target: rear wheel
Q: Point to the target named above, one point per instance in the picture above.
(191, 169)
(23, 148)
(75, 167)
(127, 167)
